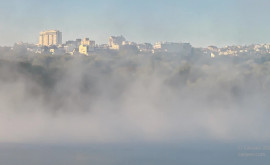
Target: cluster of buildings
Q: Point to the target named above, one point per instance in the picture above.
(248, 50)
(50, 42)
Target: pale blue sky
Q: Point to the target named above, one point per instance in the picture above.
(200, 22)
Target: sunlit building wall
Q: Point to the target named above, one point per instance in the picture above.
(49, 38)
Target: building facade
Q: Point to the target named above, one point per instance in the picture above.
(50, 38)
(87, 46)
(171, 47)
(116, 41)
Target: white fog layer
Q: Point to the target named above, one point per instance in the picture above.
(123, 99)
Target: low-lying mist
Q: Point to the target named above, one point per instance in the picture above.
(52, 99)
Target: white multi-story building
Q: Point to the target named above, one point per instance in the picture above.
(72, 46)
(50, 38)
(116, 41)
(87, 46)
(171, 47)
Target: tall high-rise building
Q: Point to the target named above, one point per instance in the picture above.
(49, 38)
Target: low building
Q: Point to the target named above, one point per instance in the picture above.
(171, 47)
(145, 47)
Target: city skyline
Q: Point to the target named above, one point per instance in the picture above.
(50, 42)
(201, 23)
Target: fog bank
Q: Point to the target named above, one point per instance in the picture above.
(106, 99)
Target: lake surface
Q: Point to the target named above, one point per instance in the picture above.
(192, 153)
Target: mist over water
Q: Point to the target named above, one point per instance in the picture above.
(116, 99)
(174, 93)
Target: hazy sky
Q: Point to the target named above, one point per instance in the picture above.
(200, 22)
